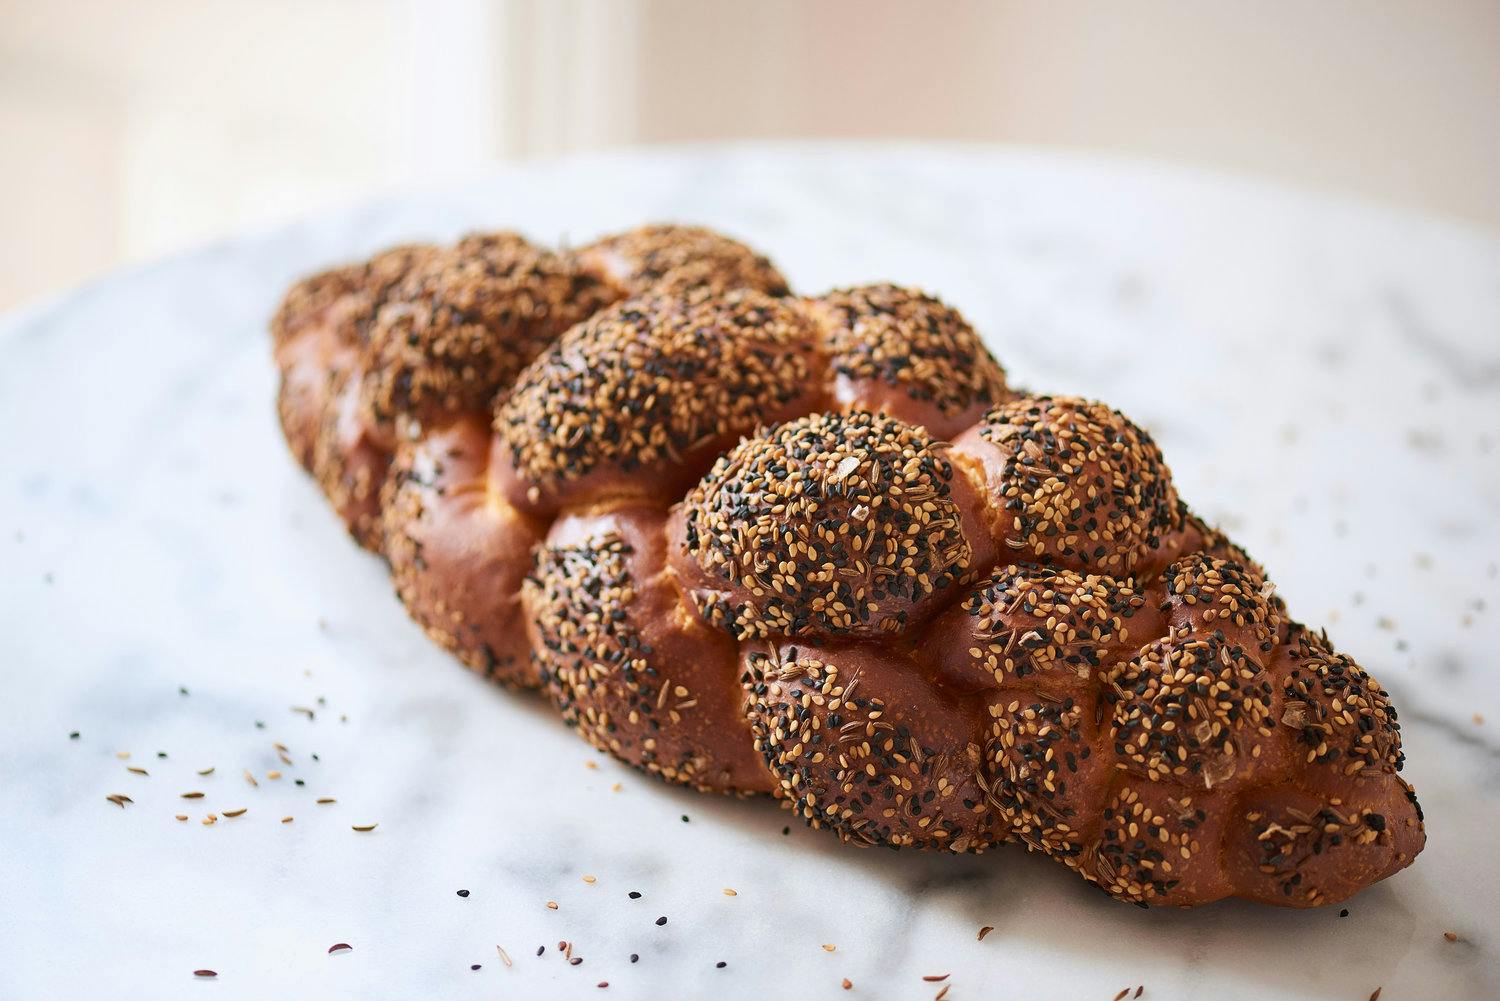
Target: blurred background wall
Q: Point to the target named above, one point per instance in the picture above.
(131, 129)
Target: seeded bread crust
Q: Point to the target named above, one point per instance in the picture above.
(817, 547)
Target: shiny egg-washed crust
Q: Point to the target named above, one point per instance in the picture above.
(817, 547)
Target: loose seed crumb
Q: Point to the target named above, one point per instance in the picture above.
(366, 827)
(551, 906)
(985, 931)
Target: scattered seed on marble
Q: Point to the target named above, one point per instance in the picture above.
(474, 967)
(210, 820)
(286, 820)
(541, 949)
(192, 795)
(829, 947)
(848, 984)
(205, 974)
(73, 735)
(326, 800)
(119, 799)
(137, 771)
(635, 957)
(273, 775)
(366, 827)
(235, 813)
(720, 965)
(504, 958)
(634, 895)
(463, 893)
(340, 947)
(123, 755)
(730, 893)
(551, 905)
(661, 920)
(576, 960)
(937, 978)
(182, 816)
(206, 771)
(161, 754)
(591, 880)
(1120, 996)
(250, 778)
(985, 931)
(1450, 936)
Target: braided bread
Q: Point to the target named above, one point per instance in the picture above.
(818, 547)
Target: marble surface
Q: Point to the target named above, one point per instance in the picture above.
(1324, 377)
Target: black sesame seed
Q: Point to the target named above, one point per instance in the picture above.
(720, 965)
(635, 895)
(635, 957)
(463, 893)
(73, 735)
(661, 920)
(474, 967)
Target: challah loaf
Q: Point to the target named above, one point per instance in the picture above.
(817, 547)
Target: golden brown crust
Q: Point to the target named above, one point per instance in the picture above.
(678, 259)
(462, 324)
(637, 401)
(851, 737)
(1024, 635)
(906, 353)
(831, 525)
(458, 552)
(623, 661)
(1073, 483)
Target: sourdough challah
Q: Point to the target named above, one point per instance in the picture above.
(817, 547)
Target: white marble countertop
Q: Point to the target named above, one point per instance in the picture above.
(1324, 377)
